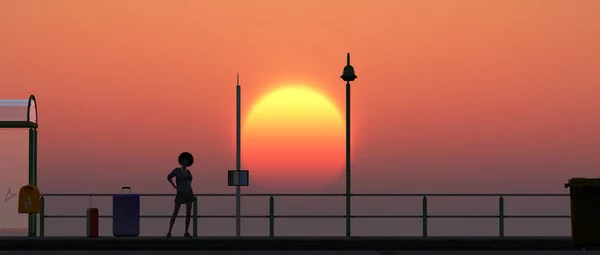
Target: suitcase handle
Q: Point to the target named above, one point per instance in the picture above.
(125, 188)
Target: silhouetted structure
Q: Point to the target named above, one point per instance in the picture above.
(28, 120)
(348, 76)
(238, 177)
(238, 152)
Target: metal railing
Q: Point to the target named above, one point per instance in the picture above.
(272, 216)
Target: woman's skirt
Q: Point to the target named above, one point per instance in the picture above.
(185, 197)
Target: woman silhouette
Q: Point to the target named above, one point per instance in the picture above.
(185, 194)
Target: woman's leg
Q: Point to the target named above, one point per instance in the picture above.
(188, 213)
(174, 216)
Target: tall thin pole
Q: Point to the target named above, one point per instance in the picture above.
(238, 154)
(31, 216)
(348, 182)
(348, 76)
(35, 174)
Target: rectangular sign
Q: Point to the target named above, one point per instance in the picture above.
(238, 178)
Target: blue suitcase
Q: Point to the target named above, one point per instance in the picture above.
(126, 214)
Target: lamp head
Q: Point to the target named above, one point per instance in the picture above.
(348, 74)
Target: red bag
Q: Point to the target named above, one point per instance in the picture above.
(93, 220)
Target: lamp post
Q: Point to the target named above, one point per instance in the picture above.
(348, 76)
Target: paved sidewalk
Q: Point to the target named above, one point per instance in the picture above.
(299, 253)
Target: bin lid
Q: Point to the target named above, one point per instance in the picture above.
(580, 182)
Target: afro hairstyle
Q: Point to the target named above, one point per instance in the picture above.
(186, 156)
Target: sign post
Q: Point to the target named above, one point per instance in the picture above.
(238, 178)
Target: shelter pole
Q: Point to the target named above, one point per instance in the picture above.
(31, 175)
(35, 173)
(35, 157)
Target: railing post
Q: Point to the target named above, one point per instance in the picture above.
(195, 215)
(501, 216)
(271, 216)
(42, 215)
(424, 216)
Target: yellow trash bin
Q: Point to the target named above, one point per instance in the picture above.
(585, 211)
(29, 199)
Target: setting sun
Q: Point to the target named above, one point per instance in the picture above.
(294, 136)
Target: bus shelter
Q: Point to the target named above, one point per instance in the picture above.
(23, 114)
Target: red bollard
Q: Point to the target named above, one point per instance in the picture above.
(93, 220)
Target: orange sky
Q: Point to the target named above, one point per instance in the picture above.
(450, 94)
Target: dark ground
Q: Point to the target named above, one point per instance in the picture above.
(299, 253)
(288, 244)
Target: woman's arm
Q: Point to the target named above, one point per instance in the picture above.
(170, 178)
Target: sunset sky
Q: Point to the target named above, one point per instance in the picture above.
(451, 96)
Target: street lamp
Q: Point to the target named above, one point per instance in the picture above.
(348, 76)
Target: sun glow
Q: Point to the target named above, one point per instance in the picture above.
(294, 136)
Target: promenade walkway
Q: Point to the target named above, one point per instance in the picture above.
(299, 253)
(289, 244)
